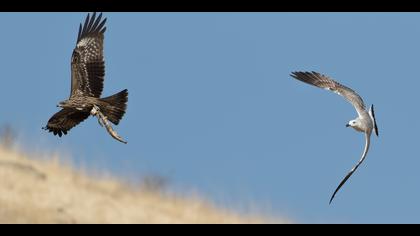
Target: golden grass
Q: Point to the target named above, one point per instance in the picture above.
(42, 190)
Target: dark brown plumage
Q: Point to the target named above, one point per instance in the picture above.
(87, 77)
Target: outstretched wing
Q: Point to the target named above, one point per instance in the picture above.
(325, 82)
(64, 120)
(354, 168)
(87, 61)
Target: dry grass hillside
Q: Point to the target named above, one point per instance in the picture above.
(40, 189)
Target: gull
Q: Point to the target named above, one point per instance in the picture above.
(365, 122)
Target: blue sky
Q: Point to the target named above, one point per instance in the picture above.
(212, 106)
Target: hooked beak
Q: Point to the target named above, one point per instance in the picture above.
(347, 125)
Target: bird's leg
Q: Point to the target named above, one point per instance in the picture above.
(95, 112)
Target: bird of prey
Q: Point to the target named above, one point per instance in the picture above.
(365, 122)
(87, 77)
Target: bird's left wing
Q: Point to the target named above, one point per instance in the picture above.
(355, 167)
(87, 61)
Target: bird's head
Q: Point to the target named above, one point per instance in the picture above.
(353, 123)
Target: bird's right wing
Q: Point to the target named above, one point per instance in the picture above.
(64, 120)
(355, 167)
(322, 81)
(87, 61)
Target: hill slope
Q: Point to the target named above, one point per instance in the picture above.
(41, 190)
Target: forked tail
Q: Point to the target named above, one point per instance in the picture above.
(113, 107)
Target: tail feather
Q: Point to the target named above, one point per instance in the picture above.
(113, 107)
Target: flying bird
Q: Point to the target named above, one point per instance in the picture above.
(87, 78)
(365, 122)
